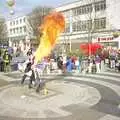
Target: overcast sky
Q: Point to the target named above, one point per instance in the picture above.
(25, 6)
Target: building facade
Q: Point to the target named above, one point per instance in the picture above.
(19, 32)
(87, 21)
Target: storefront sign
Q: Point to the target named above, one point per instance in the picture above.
(104, 39)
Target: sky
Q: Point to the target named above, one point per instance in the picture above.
(23, 7)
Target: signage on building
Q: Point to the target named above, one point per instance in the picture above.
(104, 39)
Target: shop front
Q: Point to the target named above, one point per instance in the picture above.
(109, 42)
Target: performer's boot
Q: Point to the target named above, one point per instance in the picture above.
(38, 88)
(32, 78)
(38, 85)
(30, 86)
(30, 83)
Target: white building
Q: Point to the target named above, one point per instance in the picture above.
(19, 32)
(88, 21)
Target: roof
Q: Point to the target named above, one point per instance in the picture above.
(68, 3)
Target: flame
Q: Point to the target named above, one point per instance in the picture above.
(53, 25)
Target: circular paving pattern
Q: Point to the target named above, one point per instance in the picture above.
(33, 105)
(70, 97)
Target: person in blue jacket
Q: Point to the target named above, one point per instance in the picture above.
(69, 64)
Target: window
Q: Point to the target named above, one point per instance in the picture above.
(103, 23)
(100, 23)
(74, 11)
(20, 21)
(20, 29)
(13, 22)
(82, 10)
(97, 26)
(89, 8)
(24, 19)
(10, 23)
(85, 9)
(100, 5)
(14, 30)
(74, 27)
(16, 22)
(79, 28)
(67, 29)
(89, 24)
(103, 6)
(24, 28)
(79, 11)
(84, 25)
(10, 31)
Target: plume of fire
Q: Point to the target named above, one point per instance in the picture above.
(51, 28)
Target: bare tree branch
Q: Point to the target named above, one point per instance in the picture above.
(35, 18)
(3, 33)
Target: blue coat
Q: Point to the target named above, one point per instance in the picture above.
(69, 65)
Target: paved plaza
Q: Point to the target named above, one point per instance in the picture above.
(69, 97)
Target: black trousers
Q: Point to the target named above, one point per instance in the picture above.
(1, 66)
(32, 78)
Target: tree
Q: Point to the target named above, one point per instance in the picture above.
(3, 34)
(116, 34)
(35, 19)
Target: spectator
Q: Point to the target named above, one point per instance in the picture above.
(7, 58)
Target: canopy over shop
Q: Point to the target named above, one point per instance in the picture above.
(91, 48)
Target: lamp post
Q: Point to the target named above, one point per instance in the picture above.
(71, 21)
(92, 26)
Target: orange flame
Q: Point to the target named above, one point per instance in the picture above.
(53, 25)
